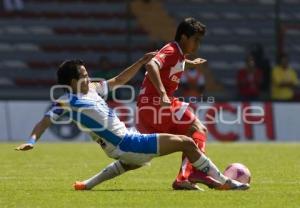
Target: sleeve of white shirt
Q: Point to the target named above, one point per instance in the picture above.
(102, 88)
(56, 111)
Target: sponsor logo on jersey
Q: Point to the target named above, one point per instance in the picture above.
(174, 78)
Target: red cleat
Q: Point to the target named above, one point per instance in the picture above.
(79, 186)
(201, 177)
(185, 185)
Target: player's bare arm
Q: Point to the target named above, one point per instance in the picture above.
(154, 76)
(36, 133)
(130, 72)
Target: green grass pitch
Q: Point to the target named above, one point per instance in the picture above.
(43, 177)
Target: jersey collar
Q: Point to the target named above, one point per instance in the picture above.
(179, 48)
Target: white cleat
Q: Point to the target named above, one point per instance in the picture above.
(234, 185)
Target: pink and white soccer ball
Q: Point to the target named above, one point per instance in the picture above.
(239, 172)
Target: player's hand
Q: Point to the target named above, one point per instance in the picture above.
(147, 57)
(198, 61)
(24, 147)
(164, 100)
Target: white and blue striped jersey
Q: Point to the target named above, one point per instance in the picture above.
(92, 114)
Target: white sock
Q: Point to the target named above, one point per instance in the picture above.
(206, 165)
(112, 170)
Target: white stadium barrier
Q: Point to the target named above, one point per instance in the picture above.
(227, 121)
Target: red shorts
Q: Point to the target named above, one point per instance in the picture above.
(174, 119)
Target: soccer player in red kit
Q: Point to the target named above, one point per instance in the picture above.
(159, 111)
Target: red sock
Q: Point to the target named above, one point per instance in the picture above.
(200, 140)
(186, 167)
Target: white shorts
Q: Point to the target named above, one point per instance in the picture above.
(136, 149)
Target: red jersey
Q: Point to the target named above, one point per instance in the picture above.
(176, 118)
(170, 61)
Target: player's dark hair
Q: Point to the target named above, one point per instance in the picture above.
(189, 27)
(68, 70)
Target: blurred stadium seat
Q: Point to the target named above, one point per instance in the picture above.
(47, 32)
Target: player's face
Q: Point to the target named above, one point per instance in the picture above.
(192, 43)
(84, 80)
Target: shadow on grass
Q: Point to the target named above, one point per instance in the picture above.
(126, 190)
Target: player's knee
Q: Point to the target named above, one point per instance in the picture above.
(188, 143)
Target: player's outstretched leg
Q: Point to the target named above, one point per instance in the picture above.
(112, 170)
(171, 143)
